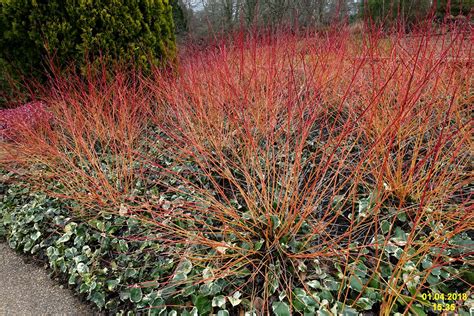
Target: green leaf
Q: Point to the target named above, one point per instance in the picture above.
(35, 235)
(218, 301)
(281, 309)
(100, 225)
(69, 228)
(436, 271)
(157, 306)
(98, 298)
(205, 289)
(468, 275)
(72, 279)
(272, 282)
(314, 284)
(64, 238)
(402, 217)
(400, 235)
(417, 310)
(82, 268)
(188, 290)
(184, 267)
(258, 245)
(331, 284)
(375, 282)
(208, 275)
(363, 206)
(301, 301)
(360, 269)
(426, 262)
(398, 253)
(323, 312)
(136, 294)
(28, 245)
(7, 219)
(365, 303)
(385, 226)
(83, 288)
(193, 312)
(223, 312)
(180, 277)
(123, 246)
(355, 283)
(111, 284)
(275, 222)
(235, 299)
(203, 304)
(215, 289)
(349, 312)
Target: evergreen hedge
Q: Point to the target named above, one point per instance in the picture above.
(179, 17)
(141, 31)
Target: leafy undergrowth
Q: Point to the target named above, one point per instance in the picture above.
(102, 259)
(273, 175)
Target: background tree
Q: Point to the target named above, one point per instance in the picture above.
(209, 17)
(180, 16)
(453, 7)
(389, 12)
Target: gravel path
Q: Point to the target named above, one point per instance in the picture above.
(26, 289)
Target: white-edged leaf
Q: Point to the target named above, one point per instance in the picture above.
(235, 299)
(184, 267)
(218, 301)
(82, 267)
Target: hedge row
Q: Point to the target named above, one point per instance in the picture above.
(35, 32)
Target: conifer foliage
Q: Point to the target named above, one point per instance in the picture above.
(137, 30)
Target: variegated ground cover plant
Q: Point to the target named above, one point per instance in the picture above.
(326, 174)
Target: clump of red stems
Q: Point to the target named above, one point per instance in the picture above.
(270, 157)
